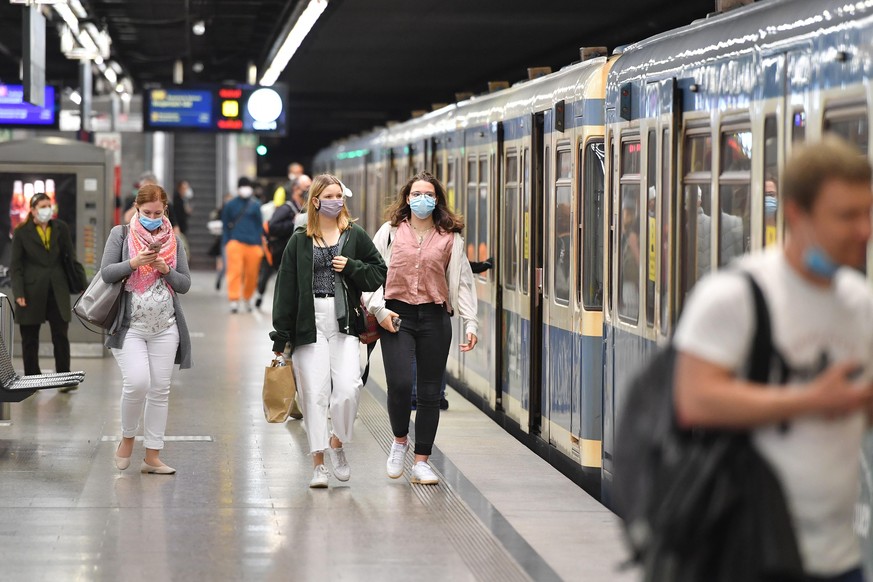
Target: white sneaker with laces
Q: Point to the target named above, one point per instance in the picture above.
(341, 469)
(234, 306)
(320, 478)
(423, 474)
(396, 458)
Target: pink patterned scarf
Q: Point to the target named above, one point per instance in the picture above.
(138, 239)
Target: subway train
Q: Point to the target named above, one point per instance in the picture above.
(605, 190)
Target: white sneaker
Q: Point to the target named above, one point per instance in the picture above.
(249, 307)
(423, 474)
(341, 469)
(396, 458)
(234, 306)
(320, 477)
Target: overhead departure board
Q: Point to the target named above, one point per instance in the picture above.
(240, 108)
(15, 112)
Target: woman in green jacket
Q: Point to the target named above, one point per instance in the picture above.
(39, 284)
(316, 309)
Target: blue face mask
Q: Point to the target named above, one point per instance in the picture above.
(817, 262)
(422, 206)
(150, 223)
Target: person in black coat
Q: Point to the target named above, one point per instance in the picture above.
(39, 283)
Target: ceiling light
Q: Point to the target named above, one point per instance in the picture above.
(197, 67)
(199, 28)
(75, 97)
(292, 42)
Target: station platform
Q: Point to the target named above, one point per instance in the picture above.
(239, 507)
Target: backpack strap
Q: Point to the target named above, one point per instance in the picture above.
(761, 354)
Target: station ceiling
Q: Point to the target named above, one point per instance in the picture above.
(365, 63)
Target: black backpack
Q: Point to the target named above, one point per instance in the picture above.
(701, 504)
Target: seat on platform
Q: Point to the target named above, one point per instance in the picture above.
(15, 388)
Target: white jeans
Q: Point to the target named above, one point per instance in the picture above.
(146, 362)
(332, 361)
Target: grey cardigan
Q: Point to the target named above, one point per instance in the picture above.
(116, 266)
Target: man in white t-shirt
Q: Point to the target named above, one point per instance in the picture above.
(822, 324)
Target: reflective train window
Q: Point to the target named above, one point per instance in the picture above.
(482, 227)
(510, 226)
(630, 244)
(798, 127)
(696, 228)
(592, 219)
(666, 230)
(651, 227)
(771, 180)
(563, 227)
(851, 125)
(525, 223)
(734, 220)
(472, 199)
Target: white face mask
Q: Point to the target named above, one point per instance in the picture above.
(44, 214)
(246, 191)
(189, 194)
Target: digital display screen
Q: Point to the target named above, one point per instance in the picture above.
(16, 190)
(180, 108)
(242, 108)
(15, 112)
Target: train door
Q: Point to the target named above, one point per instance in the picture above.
(533, 201)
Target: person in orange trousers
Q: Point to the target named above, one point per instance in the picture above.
(242, 230)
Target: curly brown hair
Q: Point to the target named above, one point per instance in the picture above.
(444, 219)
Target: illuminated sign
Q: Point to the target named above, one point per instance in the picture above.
(242, 108)
(15, 112)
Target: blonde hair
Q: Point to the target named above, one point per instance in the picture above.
(319, 183)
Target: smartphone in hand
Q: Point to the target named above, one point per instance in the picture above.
(155, 247)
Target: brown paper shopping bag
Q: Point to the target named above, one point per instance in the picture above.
(279, 391)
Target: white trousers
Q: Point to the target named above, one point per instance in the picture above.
(328, 375)
(146, 362)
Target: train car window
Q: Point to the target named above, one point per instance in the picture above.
(666, 230)
(472, 199)
(525, 223)
(651, 228)
(850, 125)
(770, 196)
(563, 227)
(592, 220)
(450, 184)
(510, 225)
(482, 227)
(735, 196)
(547, 216)
(696, 225)
(798, 127)
(630, 244)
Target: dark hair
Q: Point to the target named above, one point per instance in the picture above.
(444, 219)
(811, 166)
(151, 193)
(37, 198)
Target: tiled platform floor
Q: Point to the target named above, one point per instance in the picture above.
(239, 507)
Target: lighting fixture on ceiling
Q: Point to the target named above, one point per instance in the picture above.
(197, 67)
(302, 25)
(199, 28)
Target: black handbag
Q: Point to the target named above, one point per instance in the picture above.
(75, 273)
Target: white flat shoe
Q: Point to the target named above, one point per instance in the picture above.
(159, 470)
(121, 463)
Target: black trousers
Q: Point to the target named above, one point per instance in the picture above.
(264, 274)
(423, 343)
(60, 341)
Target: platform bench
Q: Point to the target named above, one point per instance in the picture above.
(15, 388)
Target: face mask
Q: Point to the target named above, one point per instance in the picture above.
(423, 206)
(189, 194)
(246, 191)
(150, 223)
(817, 262)
(44, 214)
(770, 205)
(331, 208)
